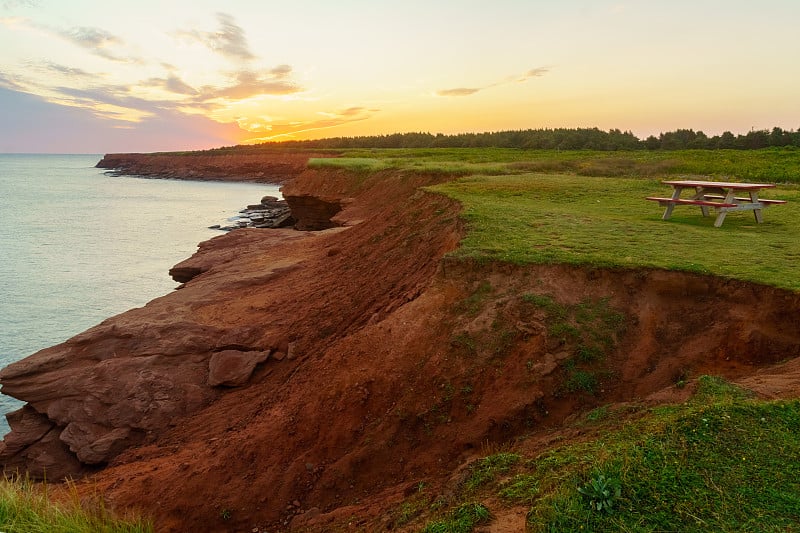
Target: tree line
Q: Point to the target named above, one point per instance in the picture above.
(561, 139)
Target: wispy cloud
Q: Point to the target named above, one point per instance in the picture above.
(460, 91)
(72, 72)
(8, 83)
(229, 39)
(11, 4)
(96, 40)
(533, 73)
(281, 131)
(172, 84)
(168, 90)
(247, 83)
(467, 91)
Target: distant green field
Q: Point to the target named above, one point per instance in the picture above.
(581, 207)
(773, 165)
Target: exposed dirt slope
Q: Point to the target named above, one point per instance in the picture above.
(390, 363)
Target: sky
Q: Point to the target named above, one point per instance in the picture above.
(90, 76)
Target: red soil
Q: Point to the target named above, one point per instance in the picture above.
(403, 365)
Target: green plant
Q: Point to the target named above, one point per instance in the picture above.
(464, 342)
(546, 303)
(601, 492)
(522, 488)
(488, 468)
(600, 413)
(462, 519)
(580, 380)
(413, 506)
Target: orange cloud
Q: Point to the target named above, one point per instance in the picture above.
(467, 91)
(461, 91)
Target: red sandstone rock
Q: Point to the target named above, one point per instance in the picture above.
(231, 368)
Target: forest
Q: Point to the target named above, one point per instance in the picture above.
(560, 139)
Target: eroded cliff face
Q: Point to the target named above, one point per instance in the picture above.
(212, 165)
(302, 378)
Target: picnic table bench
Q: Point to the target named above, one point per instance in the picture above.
(718, 195)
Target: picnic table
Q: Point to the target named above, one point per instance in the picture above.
(719, 195)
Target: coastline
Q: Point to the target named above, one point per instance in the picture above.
(224, 391)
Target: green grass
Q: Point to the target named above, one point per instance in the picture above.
(588, 208)
(606, 222)
(721, 461)
(488, 468)
(25, 507)
(781, 165)
(462, 519)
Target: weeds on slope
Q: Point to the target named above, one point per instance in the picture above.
(27, 507)
(719, 462)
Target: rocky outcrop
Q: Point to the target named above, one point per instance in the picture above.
(232, 368)
(271, 213)
(313, 213)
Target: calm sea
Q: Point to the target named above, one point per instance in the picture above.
(78, 246)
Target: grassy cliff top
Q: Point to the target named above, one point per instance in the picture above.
(580, 207)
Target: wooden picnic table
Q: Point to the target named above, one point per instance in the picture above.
(719, 195)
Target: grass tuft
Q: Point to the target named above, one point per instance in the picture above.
(26, 506)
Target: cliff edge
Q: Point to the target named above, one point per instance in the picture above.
(299, 379)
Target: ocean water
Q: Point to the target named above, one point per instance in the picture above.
(78, 246)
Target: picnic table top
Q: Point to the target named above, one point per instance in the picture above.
(720, 184)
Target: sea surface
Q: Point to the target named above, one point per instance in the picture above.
(78, 245)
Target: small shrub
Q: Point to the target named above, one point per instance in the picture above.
(601, 492)
(587, 354)
(581, 380)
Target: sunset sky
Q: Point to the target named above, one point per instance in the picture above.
(89, 76)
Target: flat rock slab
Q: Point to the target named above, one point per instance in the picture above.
(232, 368)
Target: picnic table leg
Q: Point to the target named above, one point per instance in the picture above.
(756, 212)
(700, 194)
(723, 211)
(675, 195)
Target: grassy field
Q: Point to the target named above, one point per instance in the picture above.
(606, 222)
(589, 208)
(774, 165)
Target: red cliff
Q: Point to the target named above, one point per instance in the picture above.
(301, 378)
